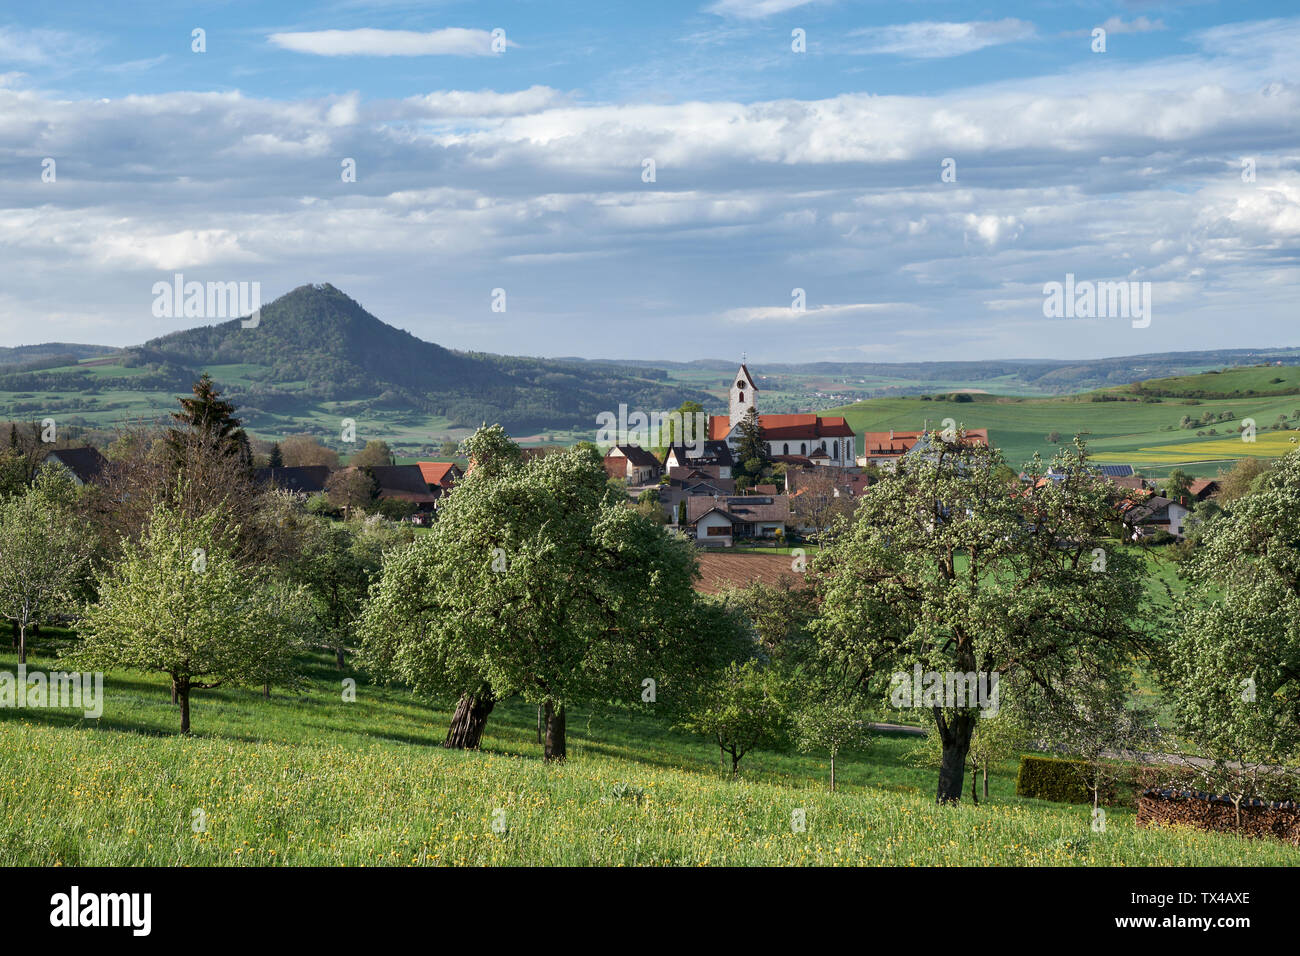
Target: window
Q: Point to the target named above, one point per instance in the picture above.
(835, 449)
(742, 398)
(785, 449)
(803, 448)
(719, 529)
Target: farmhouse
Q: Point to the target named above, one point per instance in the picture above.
(884, 449)
(1153, 514)
(440, 476)
(633, 463)
(714, 455)
(85, 464)
(823, 441)
(405, 483)
(303, 479)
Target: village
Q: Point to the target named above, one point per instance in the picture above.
(813, 468)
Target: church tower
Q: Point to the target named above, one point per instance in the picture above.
(744, 395)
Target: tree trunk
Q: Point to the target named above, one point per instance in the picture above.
(468, 721)
(22, 645)
(974, 787)
(175, 700)
(184, 693)
(266, 691)
(338, 657)
(541, 721)
(955, 735)
(554, 749)
(735, 764)
(832, 772)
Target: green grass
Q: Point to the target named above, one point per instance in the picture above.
(309, 779)
(1117, 432)
(1231, 383)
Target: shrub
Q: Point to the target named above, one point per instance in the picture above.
(1057, 779)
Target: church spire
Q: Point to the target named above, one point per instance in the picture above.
(744, 394)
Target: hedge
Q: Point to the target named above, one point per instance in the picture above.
(1059, 779)
(1055, 778)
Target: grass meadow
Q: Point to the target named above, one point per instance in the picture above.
(306, 778)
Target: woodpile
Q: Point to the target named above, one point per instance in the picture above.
(1254, 818)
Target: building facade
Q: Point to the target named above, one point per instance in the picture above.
(818, 440)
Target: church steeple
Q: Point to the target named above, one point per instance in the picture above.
(744, 394)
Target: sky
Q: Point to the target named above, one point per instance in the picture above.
(655, 181)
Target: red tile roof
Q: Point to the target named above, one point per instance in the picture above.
(787, 427)
(896, 443)
(437, 472)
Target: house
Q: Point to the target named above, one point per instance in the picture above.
(1154, 513)
(1202, 488)
(440, 476)
(884, 449)
(827, 441)
(698, 473)
(686, 482)
(632, 463)
(720, 522)
(707, 454)
(405, 483)
(840, 482)
(818, 496)
(85, 464)
(1134, 483)
(302, 479)
(722, 572)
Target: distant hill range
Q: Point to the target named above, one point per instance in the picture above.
(49, 355)
(317, 346)
(1044, 376)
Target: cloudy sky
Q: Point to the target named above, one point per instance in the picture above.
(795, 144)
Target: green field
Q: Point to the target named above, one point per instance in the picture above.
(309, 779)
(1250, 382)
(1145, 435)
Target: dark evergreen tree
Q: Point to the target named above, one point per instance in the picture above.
(211, 418)
(751, 453)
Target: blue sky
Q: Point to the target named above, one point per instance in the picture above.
(774, 170)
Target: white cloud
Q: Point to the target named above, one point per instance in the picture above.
(929, 39)
(783, 313)
(992, 230)
(1138, 25)
(452, 41)
(41, 46)
(485, 102)
(1118, 25)
(753, 9)
(462, 191)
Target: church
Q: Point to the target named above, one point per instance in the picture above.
(796, 439)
